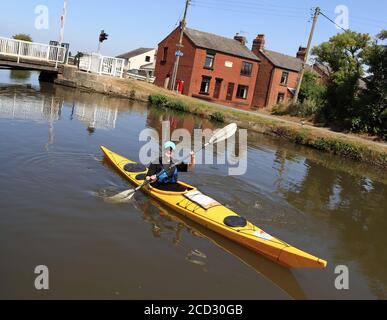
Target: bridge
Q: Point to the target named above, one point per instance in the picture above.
(18, 54)
(50, 59)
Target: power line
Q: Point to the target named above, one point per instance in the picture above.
(329, 19)
(253, 5)
(366, 23)
(244, 7)
(369, 19)
(274, 13)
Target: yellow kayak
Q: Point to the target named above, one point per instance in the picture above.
(206, 211)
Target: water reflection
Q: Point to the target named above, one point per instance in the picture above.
(355, 208)
(95, 116)
(33, 107)
(169, 225)
(20, 75)
(26, 103)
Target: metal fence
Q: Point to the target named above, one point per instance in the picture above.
(32, 50)
(96, 63)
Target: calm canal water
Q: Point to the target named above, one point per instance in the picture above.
(53, 177)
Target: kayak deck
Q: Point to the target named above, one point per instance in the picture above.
(214, 217)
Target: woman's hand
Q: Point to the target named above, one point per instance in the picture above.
(151, 178)
(192, 162)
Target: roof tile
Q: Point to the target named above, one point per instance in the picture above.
(218, 43)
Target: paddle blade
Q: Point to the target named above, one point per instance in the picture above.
(223, 134)
(122, 196)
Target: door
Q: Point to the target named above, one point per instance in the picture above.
(230, 91)
(218, 84)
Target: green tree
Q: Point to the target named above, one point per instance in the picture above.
(22, 36)
(312, 89)
(372, 104)
(345, 54)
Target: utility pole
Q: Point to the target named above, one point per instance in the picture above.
(301, 74)
(62, 22)
(179, 46)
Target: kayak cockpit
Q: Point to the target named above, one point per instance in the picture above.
(173, 187)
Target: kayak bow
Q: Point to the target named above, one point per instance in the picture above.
(192, 204)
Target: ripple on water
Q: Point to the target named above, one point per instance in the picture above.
(46, 168)
(197, 257)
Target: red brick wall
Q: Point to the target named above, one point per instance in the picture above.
(191, 71)
(269, 85)
(227, 74)
(263, 82)
(277, 87)
(185, 64)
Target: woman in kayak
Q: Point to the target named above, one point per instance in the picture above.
(167, 180)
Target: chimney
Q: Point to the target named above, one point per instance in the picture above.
(301, 53)
(240, 39)
(258, 44)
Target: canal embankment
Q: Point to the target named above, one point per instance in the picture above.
(323, 139)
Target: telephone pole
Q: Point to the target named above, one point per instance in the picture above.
(179, 46)
(62, 22)
(301, 74)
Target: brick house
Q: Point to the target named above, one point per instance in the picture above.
(278, 74)
(213, 68)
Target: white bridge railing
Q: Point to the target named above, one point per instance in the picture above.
(32, 50)
(96, 63)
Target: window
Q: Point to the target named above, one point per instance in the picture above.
(281, 97)
(205, 85)
(165, 54)
(210, 57)
(147, 59)
(246, 68)
(284, 77)
(242, 92)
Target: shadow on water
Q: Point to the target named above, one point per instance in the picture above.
(160, 220)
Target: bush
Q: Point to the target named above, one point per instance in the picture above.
(321, 144)
(302, 138)
(217, 116)
(280, 109)
(305, 109)
(22, 36)
(177, 105)
(158, 100)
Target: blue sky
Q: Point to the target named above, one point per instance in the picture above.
(131, 24)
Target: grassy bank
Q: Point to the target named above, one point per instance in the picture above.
(331, 142)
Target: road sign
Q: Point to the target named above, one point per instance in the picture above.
(179, 53)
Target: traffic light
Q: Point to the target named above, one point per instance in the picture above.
(103, 36)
